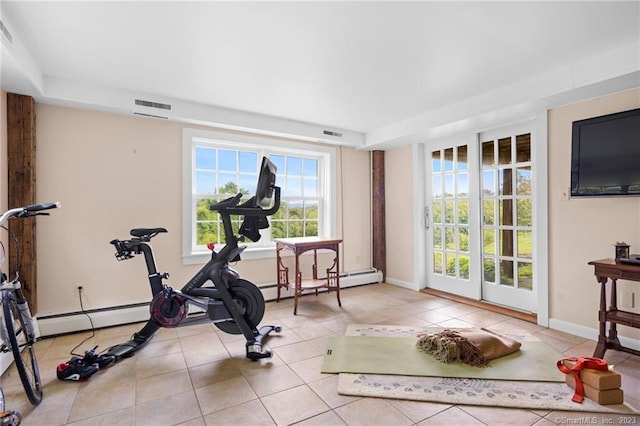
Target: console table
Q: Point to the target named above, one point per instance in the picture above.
(605, 270)
(298, 246)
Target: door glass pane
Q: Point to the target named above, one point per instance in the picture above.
(489, 270)
(489, 241)
(524, 212)
(464, 267)
(448, 159)
(437, 212)
(449, 238)
(448, 211)
(523, 148)
(488, 158)
(488, 182)
(436, 164)
(436, 189)
(506, 242)
(525, 245)
(462, 158)
(437, 238)
(463, 184)
(506, 272)
(488, 212)
(525, 275)
(504, 151)
(523, 180)
(448, 186)
(463, 239)
(506, 212)
(505, 186)
(451, 265)
(437, 262)
(463, 212)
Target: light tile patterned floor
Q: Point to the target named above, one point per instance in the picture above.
(198, 375)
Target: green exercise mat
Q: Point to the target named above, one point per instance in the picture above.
(534, 361)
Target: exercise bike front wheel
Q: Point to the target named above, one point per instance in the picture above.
(249, 299)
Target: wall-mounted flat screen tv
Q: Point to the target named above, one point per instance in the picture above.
(605, 155)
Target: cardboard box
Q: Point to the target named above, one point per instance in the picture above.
(602, 397)
(601, 380)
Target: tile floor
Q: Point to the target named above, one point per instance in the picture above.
(198, 376)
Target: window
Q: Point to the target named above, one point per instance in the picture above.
(217, 166)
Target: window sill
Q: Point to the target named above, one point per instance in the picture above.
(199, 258)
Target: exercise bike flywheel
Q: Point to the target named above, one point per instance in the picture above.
(249, 299)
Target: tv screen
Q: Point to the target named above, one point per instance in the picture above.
(605, 155)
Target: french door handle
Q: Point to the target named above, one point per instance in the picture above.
(426, 217)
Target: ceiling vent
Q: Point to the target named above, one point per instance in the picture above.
(5, 32)
(150, 104)
(332, 133)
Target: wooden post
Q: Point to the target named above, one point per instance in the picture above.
(378, 214)
(21, 160)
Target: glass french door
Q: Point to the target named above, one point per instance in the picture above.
(452, 225)
(507, 219)
(479, 216)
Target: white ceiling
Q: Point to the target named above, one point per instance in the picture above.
(367, 68)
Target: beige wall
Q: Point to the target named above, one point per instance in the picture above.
(398, 176)
(113, 173)
(586, 229)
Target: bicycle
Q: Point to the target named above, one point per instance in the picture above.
(18, 329)
(232, 304)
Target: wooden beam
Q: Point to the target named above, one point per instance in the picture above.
(21, 160)
(378, 213)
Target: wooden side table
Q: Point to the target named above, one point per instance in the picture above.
(613, 270)
(298, 246)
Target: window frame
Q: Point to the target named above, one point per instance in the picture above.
(193, 254)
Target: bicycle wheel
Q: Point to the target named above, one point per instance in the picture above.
(22, 348)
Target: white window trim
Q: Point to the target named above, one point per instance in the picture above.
(328, 186)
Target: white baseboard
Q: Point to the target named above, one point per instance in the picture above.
(400, 283)
(78, 321)
(589, 333)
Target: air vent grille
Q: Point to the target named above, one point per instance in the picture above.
(6, 33)
(150, 104)
(332, 133)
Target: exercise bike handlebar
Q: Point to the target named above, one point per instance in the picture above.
(230, 206)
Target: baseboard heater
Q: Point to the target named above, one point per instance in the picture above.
(53, 325)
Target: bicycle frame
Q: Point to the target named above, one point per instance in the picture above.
(18, 329)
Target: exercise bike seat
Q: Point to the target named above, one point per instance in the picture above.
(146, 233)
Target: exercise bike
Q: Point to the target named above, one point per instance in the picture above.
(232, 304)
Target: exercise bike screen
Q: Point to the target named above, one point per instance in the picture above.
(266, 181)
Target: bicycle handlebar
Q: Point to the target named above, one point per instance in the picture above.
(26, 211)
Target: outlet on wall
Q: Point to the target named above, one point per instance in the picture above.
(627, 299)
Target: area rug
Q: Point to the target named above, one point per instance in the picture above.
(497, 393)
(392, 350)
(465, 391)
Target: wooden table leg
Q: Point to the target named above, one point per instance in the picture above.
(601, 347)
